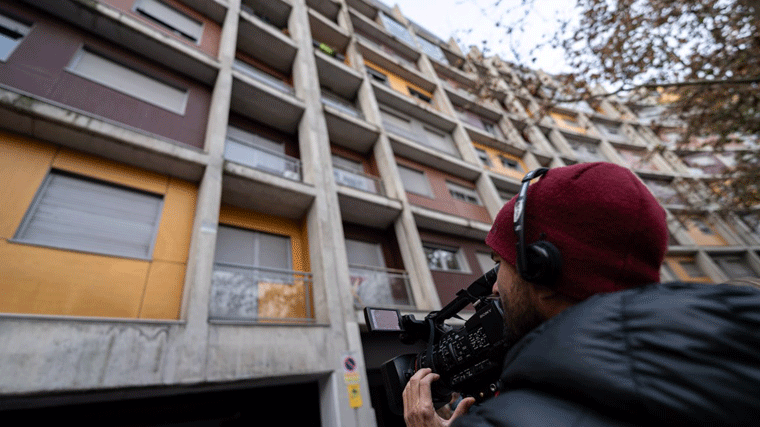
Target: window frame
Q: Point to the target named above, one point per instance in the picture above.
(428, 187)
(75, 60)
(41, 191)
(465, 193)
(168, 25)
(459, 256)
(16, 25)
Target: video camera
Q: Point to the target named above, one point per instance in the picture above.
(468, 358)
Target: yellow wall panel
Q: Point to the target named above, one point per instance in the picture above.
(23, 166)
(496, 164)
(271, 224)
(107, 170)
(42, 280)
(51, 281)
(396, 82)
(163, 291)
(175, 230)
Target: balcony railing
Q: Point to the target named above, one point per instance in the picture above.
(263, 77)
(388, 51)
(335, 102)
(263, 159)
(358, 180)
(257, 294)
(380, 286)
(406, 133)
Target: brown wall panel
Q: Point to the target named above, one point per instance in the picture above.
(38, 66)
(209, 42)
(449, 283)
(442, 200)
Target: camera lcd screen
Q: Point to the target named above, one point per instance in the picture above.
(381, 319)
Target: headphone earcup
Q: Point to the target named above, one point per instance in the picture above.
(544, 263)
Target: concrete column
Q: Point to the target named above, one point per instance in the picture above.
(329, 261)
(410, 244)
(187, 360)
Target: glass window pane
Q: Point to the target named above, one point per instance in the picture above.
(11, 34)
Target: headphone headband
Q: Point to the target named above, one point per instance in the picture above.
(544, 264)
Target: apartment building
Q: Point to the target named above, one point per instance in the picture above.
(200, 196)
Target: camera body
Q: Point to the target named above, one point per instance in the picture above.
(467, 358)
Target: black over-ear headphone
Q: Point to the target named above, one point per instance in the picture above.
(540, 262)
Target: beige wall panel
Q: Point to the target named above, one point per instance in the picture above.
(42, 280)
(107, 170)
(23, 166)
(175, 230)
(163, 291)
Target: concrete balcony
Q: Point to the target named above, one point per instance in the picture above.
(266, 42)
(259, 98)
(43, 119)
(407, 104)
(450, 224)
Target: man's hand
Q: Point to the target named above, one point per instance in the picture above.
(418, 402)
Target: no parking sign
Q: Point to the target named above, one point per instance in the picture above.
(352, 378)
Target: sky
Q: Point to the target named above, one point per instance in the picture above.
(475, 20)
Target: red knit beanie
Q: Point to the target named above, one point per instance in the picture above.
(607, 225)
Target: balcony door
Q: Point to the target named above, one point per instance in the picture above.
(253, 277)
(370, 280)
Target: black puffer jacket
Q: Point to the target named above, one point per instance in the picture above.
(676, 353)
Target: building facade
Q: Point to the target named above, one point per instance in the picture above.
(200, 196)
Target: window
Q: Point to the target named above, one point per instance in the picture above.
(72, 212)
(440, 141)
(170, 18)
(415, 181)
(128, 81)
(462, 193)
(397, 29)
(735, 266)
(253, 277)
(511, 163)
(751, 221)
(432, 50)
(364, 253)
(11, 34)
(483, 156)
(377, 76)
(419, 95)
(444, 258)
(250, 248)
(586, 151)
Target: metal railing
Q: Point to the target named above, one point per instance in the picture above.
(262, 77)
(341, 105)
(358, 180)
(257, 294)
(263, 159)
(406, 133)
(380, 286)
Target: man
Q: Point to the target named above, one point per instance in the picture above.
(596, 341)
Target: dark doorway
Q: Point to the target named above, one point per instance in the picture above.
(296, 404)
